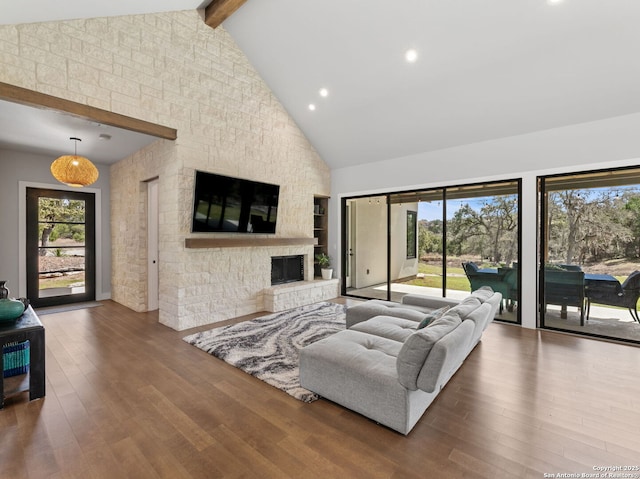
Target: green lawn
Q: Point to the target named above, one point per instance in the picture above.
(456, 280)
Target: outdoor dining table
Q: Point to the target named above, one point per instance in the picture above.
(598, 286)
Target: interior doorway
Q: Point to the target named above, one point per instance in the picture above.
(60, 247)
(152, 246)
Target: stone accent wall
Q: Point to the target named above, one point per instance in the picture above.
(172, 69)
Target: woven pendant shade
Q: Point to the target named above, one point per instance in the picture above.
(74, 170)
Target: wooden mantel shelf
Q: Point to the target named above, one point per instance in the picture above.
(246, 242)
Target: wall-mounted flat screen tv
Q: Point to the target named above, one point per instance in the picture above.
(233, 205)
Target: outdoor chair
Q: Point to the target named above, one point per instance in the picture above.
(628, 298)
(564, 288)
(510, 276)
(494, 279)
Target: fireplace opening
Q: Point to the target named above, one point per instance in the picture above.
(287, 269)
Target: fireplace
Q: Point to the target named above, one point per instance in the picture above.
(287, 269)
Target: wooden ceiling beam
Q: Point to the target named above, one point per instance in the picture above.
(36, 99)
(219, 10)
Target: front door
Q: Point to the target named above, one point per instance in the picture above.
(60, 247)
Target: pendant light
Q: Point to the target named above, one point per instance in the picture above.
(74, 170)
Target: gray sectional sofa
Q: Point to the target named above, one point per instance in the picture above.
(387, 369)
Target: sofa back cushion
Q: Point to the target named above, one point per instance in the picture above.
(481, 318)
(416, 347)
(432, 316)
(446, 356)
(466, 306)
(483, 293)
(480, 315)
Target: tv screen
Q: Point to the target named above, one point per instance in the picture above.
(234, 205)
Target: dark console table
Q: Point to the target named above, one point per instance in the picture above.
(27, 327)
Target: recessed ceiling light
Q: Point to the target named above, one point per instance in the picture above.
(411, 55)
(324, 92)
(312, 107)
(553, 2)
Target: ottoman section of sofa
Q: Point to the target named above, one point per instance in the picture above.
(358, 370)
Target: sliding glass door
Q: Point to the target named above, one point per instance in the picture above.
(423, 241)
(590, 253)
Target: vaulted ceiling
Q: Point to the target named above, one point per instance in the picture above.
(484, 70)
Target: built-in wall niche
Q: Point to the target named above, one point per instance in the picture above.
(320, 229)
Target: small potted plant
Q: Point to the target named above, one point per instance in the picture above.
(324, 262)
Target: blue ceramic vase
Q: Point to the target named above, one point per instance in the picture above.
(10, 309)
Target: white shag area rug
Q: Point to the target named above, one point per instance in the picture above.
(267, 347)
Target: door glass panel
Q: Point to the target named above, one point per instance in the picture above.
(431, 269)
(417, 262)
(61, 250)
(367, 247)
(482, 241)
(590, 253)
(403, 244)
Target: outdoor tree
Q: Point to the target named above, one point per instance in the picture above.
(590, 225)
(571, 208)
(493, 228)
(56, 217)
(429, 237)
(632, 207)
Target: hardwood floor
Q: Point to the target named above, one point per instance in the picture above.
(126, 397)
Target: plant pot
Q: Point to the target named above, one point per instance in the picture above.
(326, 273)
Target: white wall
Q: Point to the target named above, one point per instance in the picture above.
(401, 266)
(601, 144)
(18, 167)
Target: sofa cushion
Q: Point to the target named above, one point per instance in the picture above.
(466, 306)
(483, 293)
(375, 307)
(416, 348)
(432, 316)
(446, 356)
(480, 317)
(398, 329)
(427, 303)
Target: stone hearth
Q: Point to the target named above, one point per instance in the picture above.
(292, 295)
